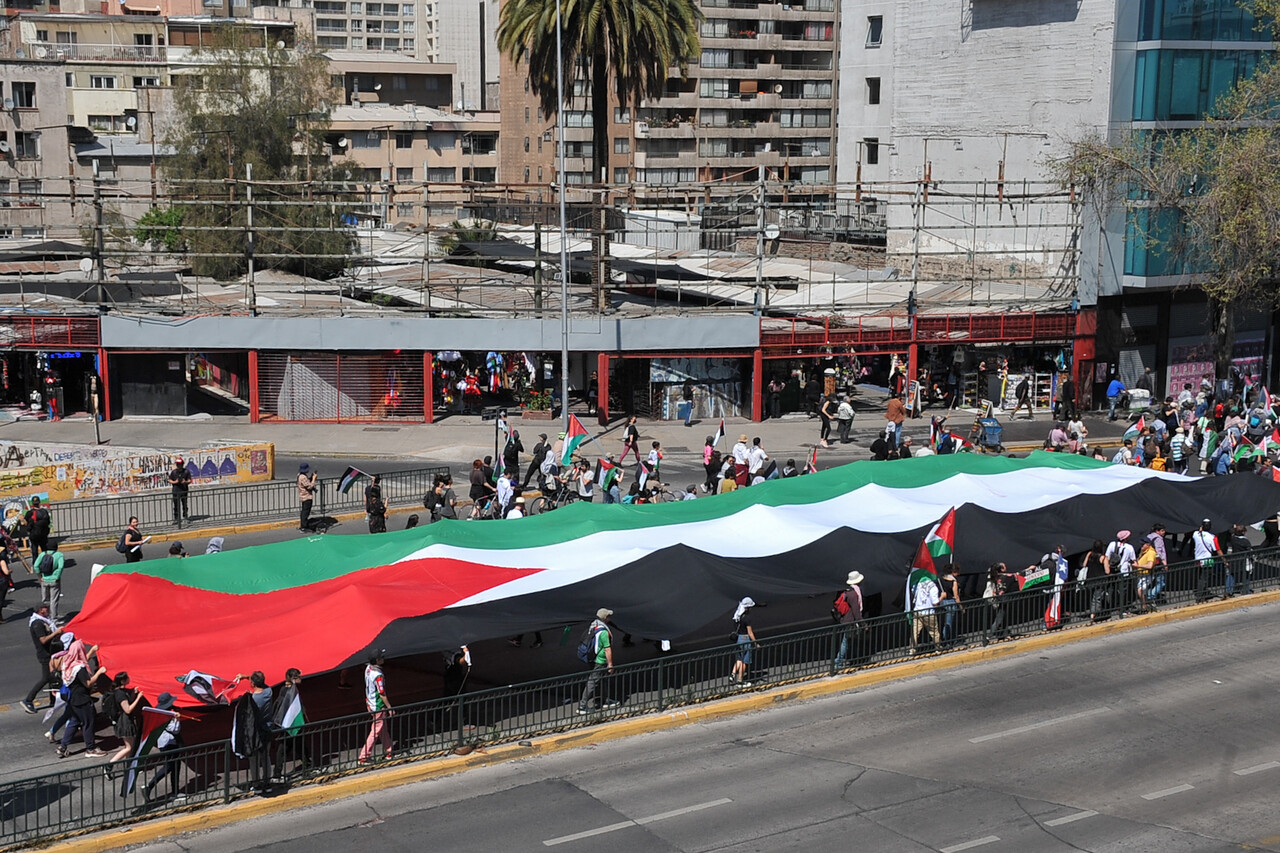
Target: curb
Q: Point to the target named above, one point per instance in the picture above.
(418, 771)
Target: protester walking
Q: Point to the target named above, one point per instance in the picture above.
(169, 744)
(306, 496)
(844, 416)
(78, 680)
(711, 462)
(924, 613)
(630, 440)
(746, 642)
(131, 541)
(119, 705)
(39, 524)
(1207, 553)
(44, 631)
(993, 596)
(540, 451)
(848, 611)
(895, 413)
(1096, 570)
(180, 482)
(49, 566)
(600, 652)
(375, 700)
(825, 413)
(949, 590)
(375, 506)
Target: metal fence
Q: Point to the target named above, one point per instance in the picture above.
(219, 505)
(85, 798)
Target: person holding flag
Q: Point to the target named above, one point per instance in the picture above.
(161, 730)
(573, 439)
(306, 496)
(288, 718)
(923, 593)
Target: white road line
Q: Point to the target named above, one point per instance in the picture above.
(969, 845)
(1155, 795)
(1034, 726)
(1258, 768)
(1071, 818)
(641, 821)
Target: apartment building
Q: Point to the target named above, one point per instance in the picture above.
(410, 28)
(389, 78)
(471, 43)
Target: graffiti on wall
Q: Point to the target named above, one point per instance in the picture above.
(65, 472)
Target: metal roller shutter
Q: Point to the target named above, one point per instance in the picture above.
(302, 386)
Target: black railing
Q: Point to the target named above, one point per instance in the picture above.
(219, 505)
(85, 798)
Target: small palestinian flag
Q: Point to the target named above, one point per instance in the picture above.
(1137, 429)
(642, 475)
(1245, 450)
(153, 723)
(606, 473)
(812, 465)
(572, 439)
(209, 689)
(349, 478)
(715, 441)
(1034, 576)
(292, 718)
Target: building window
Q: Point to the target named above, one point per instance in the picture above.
(24, 96)
(404, 175)
(102, 81)
(407, 44)
(539, 144)
(71, 80)
(366, 139)
(620, 175)
(107, 124)
(404, 209)
(26, 145)
(621, 116)
(539, 173)
(526, 85)
(875, 30)
(338, 42)
(29, 193)
(873, 90)
(526, 145)
(714, 87)
(577, 118)
(408, 28)
(872, 144)
(442, 175)
(622, 145)
(145, 82)
(815, 89)
(715, 58)
(373, 27)
(526, 115)
(526, 174)
(357, 26)
(404, 138)
(391, 44)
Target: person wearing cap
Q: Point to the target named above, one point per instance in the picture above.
(745, 639)
(741, 461)
(180, 480)
(1120, 556)
(48, 567)
(306, 496)
(169, 743)
(602, 661)
(38, 523)
(176, 550)
(852, 635)
(1207, 553)
(540, 451)
(375, 700)
(517, 508)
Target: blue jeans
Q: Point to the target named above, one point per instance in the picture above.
(852, 642)
(950, 616)
(1114, 401)
(897, 435)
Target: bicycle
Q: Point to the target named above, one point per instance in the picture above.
(564, 495)
(486, 508)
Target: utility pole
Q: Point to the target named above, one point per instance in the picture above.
(759, 238)
(249, 247)
(98, 240)
(537, 268)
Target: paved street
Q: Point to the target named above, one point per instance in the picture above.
(1144, 742)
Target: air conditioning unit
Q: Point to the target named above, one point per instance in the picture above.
(642, 130)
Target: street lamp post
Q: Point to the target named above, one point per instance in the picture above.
(564, 242)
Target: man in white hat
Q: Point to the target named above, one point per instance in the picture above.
(517, 510)
(741, 461)
(848, 612)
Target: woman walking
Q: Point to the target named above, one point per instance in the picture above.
(746, 639)
(711, 464)
(992, 595)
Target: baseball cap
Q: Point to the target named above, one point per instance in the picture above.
(603, 613)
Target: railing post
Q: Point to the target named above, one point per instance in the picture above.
(226, 771)
(662, 684)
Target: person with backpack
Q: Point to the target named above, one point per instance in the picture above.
(597, 648)
(119, 704)
(992, 595)
(49, 567)
(745, 638)
(847, 610)
(1022, 396)
(1207, 552)
(39, 524)
(130, 542)
(540, 451)
(1095, 572)
(1120, 558)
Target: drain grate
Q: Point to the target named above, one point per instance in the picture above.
(381, 429)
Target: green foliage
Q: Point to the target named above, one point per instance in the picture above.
(634, 43)
(1208, 196)
(258, 106)
(161, 228)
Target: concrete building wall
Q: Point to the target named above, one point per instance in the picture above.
(471, 44)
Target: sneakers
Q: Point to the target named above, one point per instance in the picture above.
(48, 736)
(28, 707)
(62, 753)
(612, 703)
(582, 710)
(93, 753)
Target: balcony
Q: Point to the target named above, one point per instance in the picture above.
(683, 130)
(99, 52)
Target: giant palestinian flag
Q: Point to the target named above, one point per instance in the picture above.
(321, 602)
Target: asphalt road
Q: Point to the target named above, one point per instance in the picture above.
(1157, 740)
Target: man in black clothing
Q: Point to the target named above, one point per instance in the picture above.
(540, 451)
(44, 633)
(511, 454)
(374, 506)
(180, 479)
(38, 524)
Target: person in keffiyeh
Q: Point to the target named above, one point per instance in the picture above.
(43, 632)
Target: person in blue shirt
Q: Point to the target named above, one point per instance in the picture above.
(1114, 391)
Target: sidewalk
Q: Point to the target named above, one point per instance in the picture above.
(458, 439)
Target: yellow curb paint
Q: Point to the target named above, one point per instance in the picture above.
(653, 721)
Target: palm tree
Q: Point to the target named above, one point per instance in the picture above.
(634, 42)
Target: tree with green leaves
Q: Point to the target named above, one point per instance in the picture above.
(632, 43)
(1206, 199)
(265, 107)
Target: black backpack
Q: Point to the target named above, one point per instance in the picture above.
(430, 500)
(120, 546)
(587, 645)
(111, 706)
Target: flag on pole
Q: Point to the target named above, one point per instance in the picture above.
(643, 476)
(349, 478)
(1264, 399)
(292, 718)
(937, 544)
(1244, 450)
(715, 441)
(573, 439)
(606, 473)
(1137, 429)
(812, 465)
(153, 724)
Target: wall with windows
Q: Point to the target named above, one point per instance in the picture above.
(33, 151)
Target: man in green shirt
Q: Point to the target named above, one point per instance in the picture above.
(49, 566)
(602, 644)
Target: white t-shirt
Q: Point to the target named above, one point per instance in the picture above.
(585, 482)
(504, 490)
(927, 596)
(1206, 544)
(756, 458)
(516, 512)
(1121, 556)
(740, 453)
